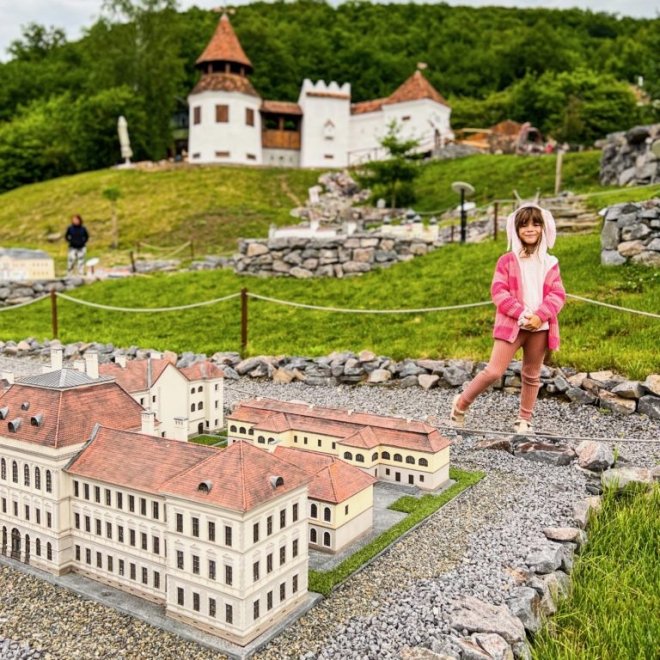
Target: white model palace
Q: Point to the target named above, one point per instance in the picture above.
(229, 122)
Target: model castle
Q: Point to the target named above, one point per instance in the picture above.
(219, 538)
(230, 122)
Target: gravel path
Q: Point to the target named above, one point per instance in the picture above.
(471, 546)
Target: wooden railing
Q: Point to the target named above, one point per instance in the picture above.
(274, 139)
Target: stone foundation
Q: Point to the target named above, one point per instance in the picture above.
(14, 293)
(627, 158)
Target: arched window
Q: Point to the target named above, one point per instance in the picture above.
(250, 431)
(327, 514)
(232, 428)
(374, 456)
(192, 407)
(49, 552)
(49, 482)
(37, 547)
(14, 472)
(348, 456)
(26, 475)
(192, 390)
(200, 405)
(315, 511)
(242, 429)
(3, 469)
(37, 478)
(359, 458)
(410, 459)
(312, 535)
(385, 455)
(326, 539)
(200, 388)
(398, 458)
(423, 462)
(271, 441)
(261, 440)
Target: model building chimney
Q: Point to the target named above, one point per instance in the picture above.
(181, 429)
(56, 357)
(121, 361)
(8, 376)
(79, 365)
(92, 364)
(148, 422)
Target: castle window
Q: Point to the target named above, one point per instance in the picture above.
(327, 514)
(329, 156)
(398, 458)
(359, 458)
(222, 154)
(197, 114)
(326, 539)
(329, 130)
(410, 459)
(221, 114)
(423, 462)
(315, 511)
(348, 456)
(249, 116)
(251, 157)
(385, 455)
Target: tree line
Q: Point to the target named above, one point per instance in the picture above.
(567, 71)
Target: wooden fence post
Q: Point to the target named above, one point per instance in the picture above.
(497, 208)
(244, 321)
(53, 313)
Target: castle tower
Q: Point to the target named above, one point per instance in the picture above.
(225, 123)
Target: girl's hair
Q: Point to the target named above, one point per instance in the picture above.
(522, 217)
(79, 218)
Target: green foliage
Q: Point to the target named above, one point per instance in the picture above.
(612, 609)
(393, 177)
(417, 509)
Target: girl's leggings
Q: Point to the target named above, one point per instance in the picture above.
(534, 345)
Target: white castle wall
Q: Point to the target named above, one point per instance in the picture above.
(326, 124)
(209, 141)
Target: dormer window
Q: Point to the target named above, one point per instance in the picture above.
(37, 420)
(276, 481)
(205, 486)
(4, 412)
(15, 424)
(25, 405)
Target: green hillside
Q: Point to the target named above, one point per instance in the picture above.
(216, 205)
(592, 337)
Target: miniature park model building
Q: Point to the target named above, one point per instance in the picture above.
(219, 538)
(230, 123)
(19, 264)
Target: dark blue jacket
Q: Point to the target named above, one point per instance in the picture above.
(76, 236)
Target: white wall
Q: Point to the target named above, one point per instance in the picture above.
(235, 136)
(322, 145)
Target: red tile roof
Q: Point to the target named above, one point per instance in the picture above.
(224, 82)
(240, 478)
(224, 46)
(134, 377)
(413, 89)
(205, 370)
(134, 460)
(333, 480)
(68, 415)
(281, 108)
(350, 426)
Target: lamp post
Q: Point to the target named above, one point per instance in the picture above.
(464, 190)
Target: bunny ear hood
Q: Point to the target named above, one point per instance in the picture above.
(549, 231)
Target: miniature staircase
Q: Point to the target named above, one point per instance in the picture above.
(571, 215)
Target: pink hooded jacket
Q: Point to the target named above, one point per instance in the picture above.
(506, 289)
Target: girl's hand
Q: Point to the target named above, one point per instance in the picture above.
(533, 323)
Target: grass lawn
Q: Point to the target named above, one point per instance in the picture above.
(217, 440)
(613, 611)
(417, 509)
(592, 337)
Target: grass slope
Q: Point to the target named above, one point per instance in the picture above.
(592, 337)
(613, 610)
(214, 206)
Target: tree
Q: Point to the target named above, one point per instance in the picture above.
(393, 177)
(37, 42)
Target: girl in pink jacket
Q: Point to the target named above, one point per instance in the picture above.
(528, 294)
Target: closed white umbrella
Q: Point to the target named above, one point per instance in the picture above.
(124, 140)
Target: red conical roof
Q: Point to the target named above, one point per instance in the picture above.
(224, 46)
(415, 88)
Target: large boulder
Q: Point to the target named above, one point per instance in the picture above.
(595, 456)
(625, 477)
(475, 615)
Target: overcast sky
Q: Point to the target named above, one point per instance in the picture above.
(73, 15)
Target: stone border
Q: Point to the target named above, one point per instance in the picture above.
(17, 292)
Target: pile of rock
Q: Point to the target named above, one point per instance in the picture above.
(604, 389)
(628, 159)
(15, 293)
(302, 257)
(631, 231)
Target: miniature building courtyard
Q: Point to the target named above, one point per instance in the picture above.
(320, 440)
(230, 123)
(219, 538)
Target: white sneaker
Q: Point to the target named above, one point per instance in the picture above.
(523, 427)
(457, 416)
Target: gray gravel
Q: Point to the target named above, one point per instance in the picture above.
(472, 546)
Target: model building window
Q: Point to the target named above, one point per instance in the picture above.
(76, 517)
(110, 563)
(398, 458)
(108, 497)
(326, 539)
(14, 472)
(98, 527)
(294, 585)
(282, 591)
(131, 503)
(314, 511)
(179, 522)
(294, 513)
(211, 531)
(329, 130)
(312, 535)
(346, 510)
(37, 478)
(155, 510)
(145, 576)
(221, 114)
(282, 555)
(229, 575)
(385, 455)
(131, 537)
(282, 518)
(143, 506)
(49, 482)
(179, 559)
(97, 494)
(359, 458)
(156, 545)
(77, 550)
(410, 459)
(212, 607)
(374, 456)
(108, 530)
(327, 514)
(195, 564)
(121, 567)
(269, 600)
(423, 462)
(255, 571)
(88, 523)
(211, 569)
(133, 572)
(255, 532)
(3, 473)
(269, 525)
(232, 428)
(88, 556)
(195, 526)
(120, 501)
(197, 114)
(229, 614)
(120, 534)
(249, 116)
(179, 596)
(143, 541)
(255, 610)
(348, 456)
(269, 562)
(294, 552)
(227, 535)
(156, 580)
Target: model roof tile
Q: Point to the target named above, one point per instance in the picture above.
(204, 370)
(137, 375)
(224, 46)
(134, 460)
(333, 480)
(349, 426)
(240, 478)
(281, 108)
(68, 414)
(224, 82)
(60, 379)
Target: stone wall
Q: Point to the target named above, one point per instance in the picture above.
(627, 157)
(14, 293)
(631, 231)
